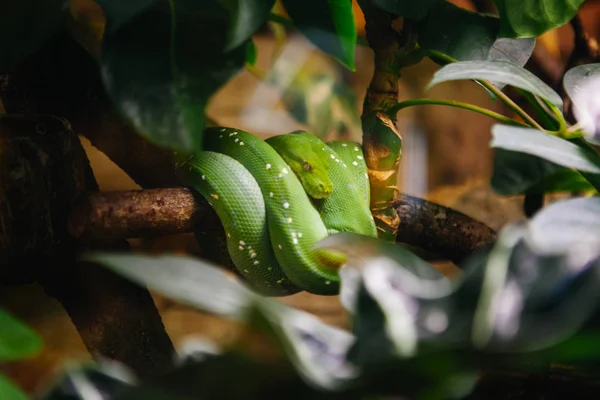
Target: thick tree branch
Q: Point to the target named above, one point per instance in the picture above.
(147, 213)
(43, 169)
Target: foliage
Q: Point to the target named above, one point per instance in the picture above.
(17, 342)
(524, 302)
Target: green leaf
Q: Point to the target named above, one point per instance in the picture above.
(17, 340)
(415, 10)
(470, 36)
(497, 71)
(546, 146)
(247, 16)
(162, 64)
(9, 391)
(194, 282)
(25, 25)
(517, 173)
(329, 24)
(251, 53)
(530, 18)
(568, 225)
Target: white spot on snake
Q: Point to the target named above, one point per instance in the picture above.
(241, 143)
(268, 269)
(223, 129)
(344, 144)
(236, 140)
(359, 157)
(270, 194)
(280, 175)
(293, 234)
(299, 234)
(286, 205)
(268, 166)
(295, 241)
(214, 196)
(203, 177)
(366, 175)
(242, 243)
(228, 234)
(220, 136)
(289, 220)
(235, 133)
(253, 255)
(241, 248)
(285, 171)
(256, 262)
(356, 148)
(327, 282)
(279, 246)
(332, 156)
(355, 163)
(279, 282)
(246, 271)
(337, 160)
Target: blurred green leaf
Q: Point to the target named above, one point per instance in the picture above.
(194, 282)
(251, 53)
(530, 18)
(162, 61)
(498, 72)
(546, 146)
(17, 340)
(415, 10)
(470, 36)
(25, 25)
(9, 391)
(519, 173)
(329, 24)
(247, 16)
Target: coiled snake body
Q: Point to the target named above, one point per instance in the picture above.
(276, 198)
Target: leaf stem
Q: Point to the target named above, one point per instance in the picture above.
(452, 103)
(434, 54)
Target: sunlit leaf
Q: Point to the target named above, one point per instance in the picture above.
(546, 146)
(497, 71)
(16, 339)
(198, 283)
(415, 10)
(247, 17)
(329, 24)
(25, 25)
(10, 391)
(582, 84)
(530, 18)
(470, 36)
(162, 61)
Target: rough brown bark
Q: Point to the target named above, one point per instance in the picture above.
(43, 170)
(149, 213)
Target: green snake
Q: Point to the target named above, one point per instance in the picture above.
(276, 198)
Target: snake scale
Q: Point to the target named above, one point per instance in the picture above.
(276, 198)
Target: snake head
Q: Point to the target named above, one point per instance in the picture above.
(308, 159)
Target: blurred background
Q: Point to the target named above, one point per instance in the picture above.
(446, 159)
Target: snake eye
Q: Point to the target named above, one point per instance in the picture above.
(306, 166)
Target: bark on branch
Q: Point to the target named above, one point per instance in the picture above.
(150, 213)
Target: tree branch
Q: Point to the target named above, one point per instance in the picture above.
(149, 213)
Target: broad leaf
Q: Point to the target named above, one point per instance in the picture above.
(531, 18)
(25, 25)
(546, 146)
(10, 391)
(162, 61)
(247, 16)
(470, 36)
(329, 24)
(571, 225)
(415, 10)
(190, 281)
(518, 173)
(498, 72)
(16, 339)
(582, 84)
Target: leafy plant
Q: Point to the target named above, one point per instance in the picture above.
(526, 301)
